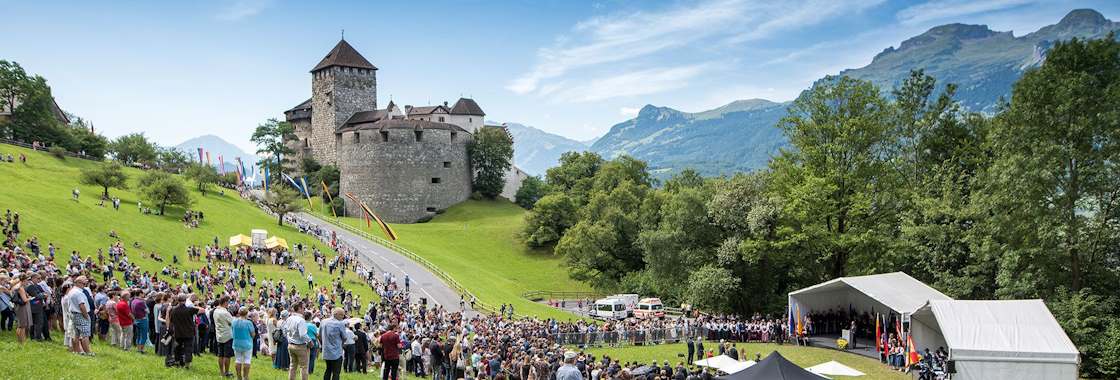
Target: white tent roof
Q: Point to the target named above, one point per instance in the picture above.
(717, 362)
(897, 291)
(1006, 330)
(738, 366)
(834, 368)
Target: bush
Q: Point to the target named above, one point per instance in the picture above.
(58, 151)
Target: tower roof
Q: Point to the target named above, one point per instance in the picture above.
(344, 55)
(467, 106)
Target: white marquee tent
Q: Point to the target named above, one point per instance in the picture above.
(717, 362)
(1007, 339)
(738, 366)
(895, 291)
(834, 368)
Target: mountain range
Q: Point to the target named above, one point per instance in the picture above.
(216, 145)
(742, 136)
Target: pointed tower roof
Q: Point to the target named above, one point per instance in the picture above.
(344, 55)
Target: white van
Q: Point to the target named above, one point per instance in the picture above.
(610, 308)
(630, 300)
(650, 308)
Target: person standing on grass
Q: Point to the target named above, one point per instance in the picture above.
(23, 308)
(183, 331)
(333, 335)
(124, 317)
(391, 353)
(295, 330)
(38, 301)
(223, 331)
(139, 308)
(110, 309)
(244, 333)
(78, 307)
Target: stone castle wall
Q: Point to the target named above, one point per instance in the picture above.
(395, 177)
(301, 145)
(336, 94)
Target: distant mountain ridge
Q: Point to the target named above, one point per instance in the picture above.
(741, 136)
(216, 145)
(534, 150)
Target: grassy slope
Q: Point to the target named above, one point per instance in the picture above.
(802, 356)
(476, 242)
(40, 192)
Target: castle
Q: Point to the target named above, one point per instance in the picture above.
(404, 163)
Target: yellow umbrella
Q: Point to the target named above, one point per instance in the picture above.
(275, 242)
(240, 241)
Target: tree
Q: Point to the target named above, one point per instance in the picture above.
(105, 175)
(711, 288)
(531, 190)
(836, 176)
(1054, 186)
(550, 218)
(272, 139)
(491, 152)
(133, 148)
(575, 175)
(172, 160)
(203, 175)
(163, 189)
(282, 201)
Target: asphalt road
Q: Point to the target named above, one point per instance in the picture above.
(422, 282)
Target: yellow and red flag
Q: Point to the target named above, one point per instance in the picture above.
(878, 335)
(327, 191)
(369, 214)
(912, 356)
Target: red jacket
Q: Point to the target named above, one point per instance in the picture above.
(124, 313)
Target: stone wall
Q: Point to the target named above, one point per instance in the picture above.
(336, 94)
(395, 177)
(301, 145)
(514, 177)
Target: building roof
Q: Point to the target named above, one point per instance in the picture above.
(896, 290)
(467, 106)
(386, 124)
(365, 117)
(306, 105)
(344, 55)
(426, 110)
(984, 330)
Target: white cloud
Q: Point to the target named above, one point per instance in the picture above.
(641, 82)
(240, 9)
(631, 37)
(943, 9)
(629, 111)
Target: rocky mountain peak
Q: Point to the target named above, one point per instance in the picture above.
(1083, 17)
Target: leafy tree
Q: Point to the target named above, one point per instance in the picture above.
(133, 148)
(272, 139)
(163, 189)
(599, 247)
(531, 190)
(105, 175)
(836, 176)
(34, 118)
(550, 218)
(203, 175)
(575, 175)
(711, 288)
(491, 153)
(172, 160)
(1085, 317)
(282, 201)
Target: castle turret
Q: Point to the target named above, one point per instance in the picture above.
(342, 84)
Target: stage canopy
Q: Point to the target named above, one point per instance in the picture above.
(834, 368)
(240, 241)
(1006, 339)
(276, 242)
(717, 362)
(895, 291)
(774, 367)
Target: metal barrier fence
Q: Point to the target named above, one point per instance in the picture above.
(638, 337)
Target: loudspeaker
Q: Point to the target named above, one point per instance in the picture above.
(951, 366)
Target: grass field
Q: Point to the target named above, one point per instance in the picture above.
(476, 243)
(40, 192)
(802, 356)
(36, 360)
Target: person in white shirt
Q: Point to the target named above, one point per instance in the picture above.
(77, 307)
(295, 329)
(223, 329)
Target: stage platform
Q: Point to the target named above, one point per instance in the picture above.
(864, 348)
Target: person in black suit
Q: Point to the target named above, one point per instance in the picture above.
(691, 349)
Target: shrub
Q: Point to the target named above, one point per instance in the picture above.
(58, 151)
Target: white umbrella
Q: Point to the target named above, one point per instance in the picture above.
(834, 368)
(738, 366)
(717, 362)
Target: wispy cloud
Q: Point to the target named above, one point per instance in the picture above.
(235, 10)
(635, 38)
(944, 9)
(629, 111)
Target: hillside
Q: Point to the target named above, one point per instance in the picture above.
(535, 150)
(740, 136)
(216, 145)
(42, 198)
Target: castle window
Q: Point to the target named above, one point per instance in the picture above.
(431, 209)
(435, 180)
(357, 138)
(419, 136)
(453, 134)
(384, 136)
(441, 119)
(447, 164)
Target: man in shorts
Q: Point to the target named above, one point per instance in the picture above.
(223, 330)
(78, 307)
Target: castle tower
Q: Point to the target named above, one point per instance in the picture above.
(342, 84)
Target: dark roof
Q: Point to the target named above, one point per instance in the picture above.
(365, 117)
(344, 55)
(426, 110)
(385, 124)
(467, 106)
(306, 105)
(774, 367)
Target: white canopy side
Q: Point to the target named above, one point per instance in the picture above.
(738, 366)
(718, 362)
(998, 339)
(895, 291)
(834, 368)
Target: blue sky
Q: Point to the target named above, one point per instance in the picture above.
(177, 70)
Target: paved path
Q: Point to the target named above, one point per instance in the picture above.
(422, 282)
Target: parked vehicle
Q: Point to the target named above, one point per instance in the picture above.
(650, 308)
(610, 308)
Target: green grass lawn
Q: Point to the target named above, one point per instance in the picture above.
(802, 356)
(36, 360)
(40, 192)
(476, 243)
